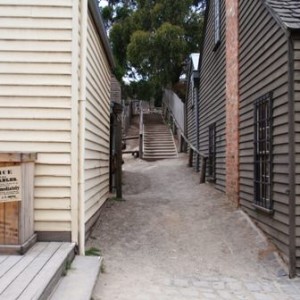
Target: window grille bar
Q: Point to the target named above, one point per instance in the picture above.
(262, 151)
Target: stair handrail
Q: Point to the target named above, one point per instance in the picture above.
(141, 131)
(193, 149)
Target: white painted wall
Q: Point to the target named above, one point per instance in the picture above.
(35, 99)
(97, 123)
(40, 67)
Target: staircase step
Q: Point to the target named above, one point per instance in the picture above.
(146, 157)
(159, 142)
(79, 282)
(166, 148)
(158, 139)
(158, 136)
(156, 133)
(36, 272)
(161, 152)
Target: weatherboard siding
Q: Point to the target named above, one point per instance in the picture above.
(35, 100)
(297, 146)
(97, 123)
(212, 98)
(190, 109)
(264, 68)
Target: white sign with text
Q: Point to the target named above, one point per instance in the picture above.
(10, 184)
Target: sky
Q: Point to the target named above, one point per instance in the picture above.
(103, 3)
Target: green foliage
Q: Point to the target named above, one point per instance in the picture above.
(152, 39)
(93, 252)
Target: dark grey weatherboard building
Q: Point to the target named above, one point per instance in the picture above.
(269, 70)
(211, 108)
(249, 112)
(191, 106)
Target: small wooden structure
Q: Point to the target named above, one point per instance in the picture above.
(16, 202)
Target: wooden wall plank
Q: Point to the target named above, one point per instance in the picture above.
(2, 223)
(35, 97)
(97, 124)
(297, 146)
(264, 68)
(212, 96)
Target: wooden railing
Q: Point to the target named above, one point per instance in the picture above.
(203, 157)
(141, 131)
(192, 150)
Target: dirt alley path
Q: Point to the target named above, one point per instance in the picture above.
(176, 239)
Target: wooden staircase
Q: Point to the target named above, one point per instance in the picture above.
(158, 139)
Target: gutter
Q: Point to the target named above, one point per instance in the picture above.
(292, 171)
(82, 107)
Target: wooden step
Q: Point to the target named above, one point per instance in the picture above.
(80, 279)
(152, 158)
(166, 148)
(34, 274)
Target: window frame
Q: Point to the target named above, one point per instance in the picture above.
(217, 24)
(263, 158)
(193, 92)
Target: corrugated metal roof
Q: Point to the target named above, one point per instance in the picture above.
(288, 12)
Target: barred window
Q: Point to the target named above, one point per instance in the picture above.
(217, 15)
(212, 152)
(263, 152)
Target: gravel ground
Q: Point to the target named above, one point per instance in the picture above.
(174, 239)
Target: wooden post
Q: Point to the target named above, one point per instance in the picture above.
(141, 146)
(119, 160)
(141, 133)
(191, 155)
(203, 170)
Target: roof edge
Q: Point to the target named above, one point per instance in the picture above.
(93, 6)
(276, 17)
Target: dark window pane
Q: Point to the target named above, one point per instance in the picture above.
(262, 151)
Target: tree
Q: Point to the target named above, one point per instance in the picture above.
(151, 39)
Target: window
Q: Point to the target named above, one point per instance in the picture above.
(217, 15)
(212, 152)
(193, 93)
(263, 152)
(195, 78)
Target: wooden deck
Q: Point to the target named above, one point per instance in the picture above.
(34, 274)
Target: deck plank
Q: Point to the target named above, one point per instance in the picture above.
(47, 273)
(3, 258)
(18, 268)
(16, 288)
(8, 263)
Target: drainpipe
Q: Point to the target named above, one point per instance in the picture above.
(74, 127)
(82, 105)
(292, 193)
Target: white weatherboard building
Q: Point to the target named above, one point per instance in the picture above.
(55, 78)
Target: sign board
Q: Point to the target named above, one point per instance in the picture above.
(10, 184)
